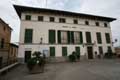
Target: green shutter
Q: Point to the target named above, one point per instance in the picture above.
(28, 35)
(81, 38)
(59, 36)
(68, 36)
(52, 38)
(27, 56)
(100, 50)
(52, 51)
(72, 37)
(77, 50)
(99, 40)
(64, 51)
(107, 35)
(88, 37)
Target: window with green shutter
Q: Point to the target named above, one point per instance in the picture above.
(88, 37)
(99, 40)
(81, 38)
(59, 37)
(77, 49)
(28, 35)
(68, 36)
(72, 37)
(100, 50)
(64, 51)
(107, 35)
(28, 17)
(52, 38)
(52, 51)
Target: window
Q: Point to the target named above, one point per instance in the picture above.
(72, 37)
(64, 37)
(68, 37)
(28, 35)
(59, 36)
(28, 17)
(27, 55)
(2, 43)
(4, 28)
(75, 21)
(76, 37)
(40, 18)
(100, 50)
(107, 35)
(97, 23)
(77, 50)
(88, 37)
(105, 25)
(62, 20)
(98, 35)
(52, 38)
(52, 51)
(109, 50)
(64, 51)
(52, 19)
(81, 37)
(1, 62)
(86, 22)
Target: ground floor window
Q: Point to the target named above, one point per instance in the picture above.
(100, 50)
(77, 50)
(27, 55)
(64, 51)
(109, 49)
(52, 51)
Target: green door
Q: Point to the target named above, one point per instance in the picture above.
(77, 50)
(64, 51)
(27, 55)
(52, 51)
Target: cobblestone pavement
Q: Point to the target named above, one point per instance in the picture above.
(83, 70)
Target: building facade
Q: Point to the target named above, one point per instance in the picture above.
(5, 36)
(5, 45)
(58, 33)
(13, 53)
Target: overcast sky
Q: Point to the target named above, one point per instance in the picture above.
(97, 7)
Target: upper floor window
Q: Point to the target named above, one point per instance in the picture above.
(107, 35)
(52, 19)
(86, 22)
(76, 37)
(28, 36)
(40, 18)
(88, 37)
(105, 25)
(4, 28)
(62, 20)
(52, 38)
(99, 38)
(63, 36)
(97, 24)
(75, 21)
(28, 17)
(2, 43)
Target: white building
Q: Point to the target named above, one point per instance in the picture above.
(59, 33)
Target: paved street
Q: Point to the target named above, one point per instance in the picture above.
(83, 70)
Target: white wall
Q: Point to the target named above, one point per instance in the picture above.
(40, 29)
